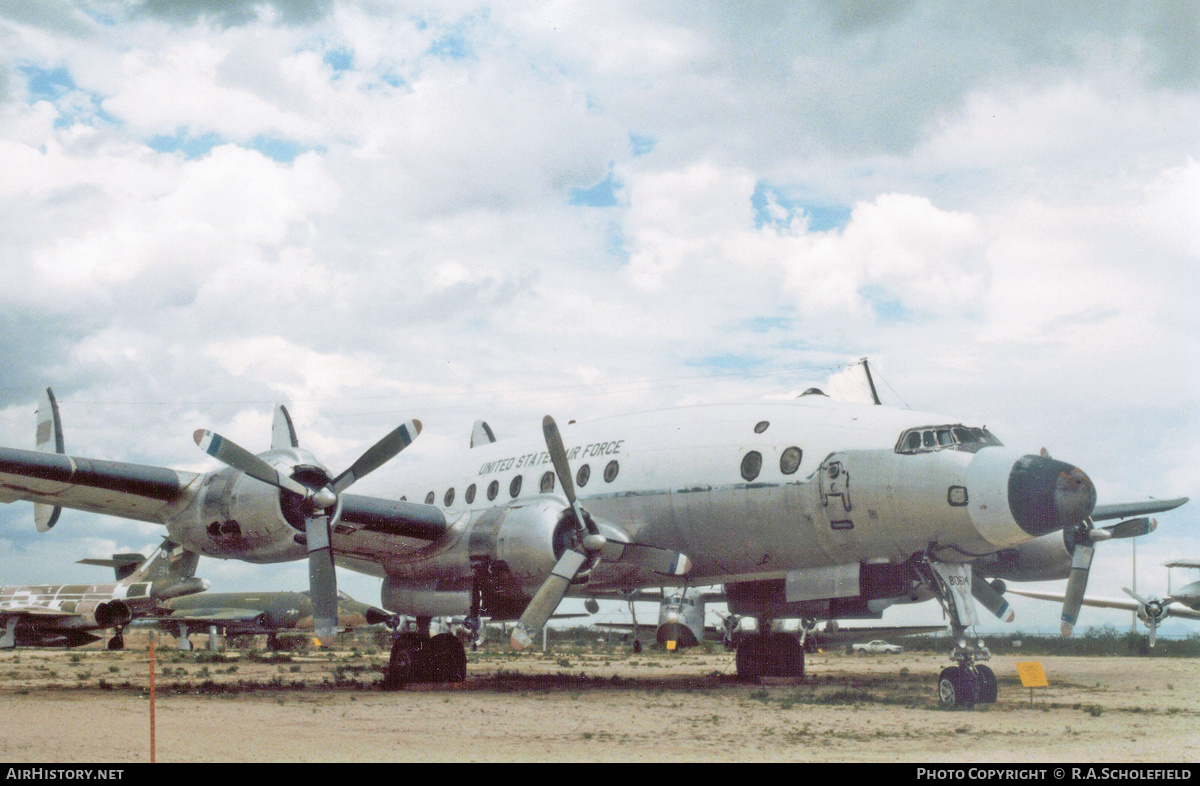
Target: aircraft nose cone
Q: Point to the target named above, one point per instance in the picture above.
(1045, 495)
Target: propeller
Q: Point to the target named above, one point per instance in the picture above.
(1152, 612)
(1081, 541)
(589, 548)
(319, 506)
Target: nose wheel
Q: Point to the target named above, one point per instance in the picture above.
(969, 682)
(966, 686)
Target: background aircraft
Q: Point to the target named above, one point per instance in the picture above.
(66, 615)
(253, 613)
(1151, 611)
(681, 624)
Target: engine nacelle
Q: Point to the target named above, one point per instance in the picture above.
(235, 516)
(517, 546)
(113, 614)
(1041, 559)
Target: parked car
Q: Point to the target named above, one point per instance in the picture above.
(877, 647)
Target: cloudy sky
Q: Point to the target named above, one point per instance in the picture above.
(449, 210)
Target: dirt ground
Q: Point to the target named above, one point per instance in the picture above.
(90, 705)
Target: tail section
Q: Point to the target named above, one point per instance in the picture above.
(169, 562)
(49, 439)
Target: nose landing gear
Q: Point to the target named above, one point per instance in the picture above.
(970, 682)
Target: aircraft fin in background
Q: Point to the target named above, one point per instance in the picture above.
(169, 562)
(482, 434)
(122, 564)
(49, 439)
(283, 432)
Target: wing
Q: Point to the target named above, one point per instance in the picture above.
(1128, 604)
(132, 491)
(1126, 510)
(640, 628)
(848, 635)
(1125, 604)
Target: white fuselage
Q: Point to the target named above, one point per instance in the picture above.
(680, 479)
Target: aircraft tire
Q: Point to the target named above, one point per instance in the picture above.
(401, 664)
(751, 657)
(445, 658)
(116, 643)
(786, 656)
(985, 685)
(956, 687)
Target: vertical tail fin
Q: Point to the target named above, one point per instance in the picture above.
(169, 562)
(283, 433)
(49, 439)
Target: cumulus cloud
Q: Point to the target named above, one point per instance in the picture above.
(454, 210)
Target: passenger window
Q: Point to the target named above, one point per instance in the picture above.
(610, 471)
(449, 498)
(582, 476)
(429, 498)
(514, 488)
(761, 426)
(493, 489)
(751, 465)
(470, 495)
(547, 484)
(789, 462)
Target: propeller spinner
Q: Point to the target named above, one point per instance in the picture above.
(319, 507)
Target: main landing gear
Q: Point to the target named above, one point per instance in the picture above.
(769, 655)
(969, 682)
(419, 657)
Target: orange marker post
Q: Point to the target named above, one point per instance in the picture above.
(152, 697)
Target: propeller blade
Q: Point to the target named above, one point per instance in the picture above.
(558, 457)
(377, 455)
(322, 578)
(991, 600)
(548, 596)
(1135, 596)
(1081, 565)
(1133, 527)
(663, 561)
(1152, 624)
(233, 455)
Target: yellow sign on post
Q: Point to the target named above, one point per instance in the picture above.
(1032, 676)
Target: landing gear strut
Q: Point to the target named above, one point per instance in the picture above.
(419, 657)
(769, 655)
(970, 682)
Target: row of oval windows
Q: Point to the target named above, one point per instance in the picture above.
(789, 462)
(546, 485)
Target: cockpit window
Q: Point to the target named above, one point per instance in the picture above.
(927, 439)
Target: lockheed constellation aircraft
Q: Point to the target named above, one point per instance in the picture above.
(808, 508)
